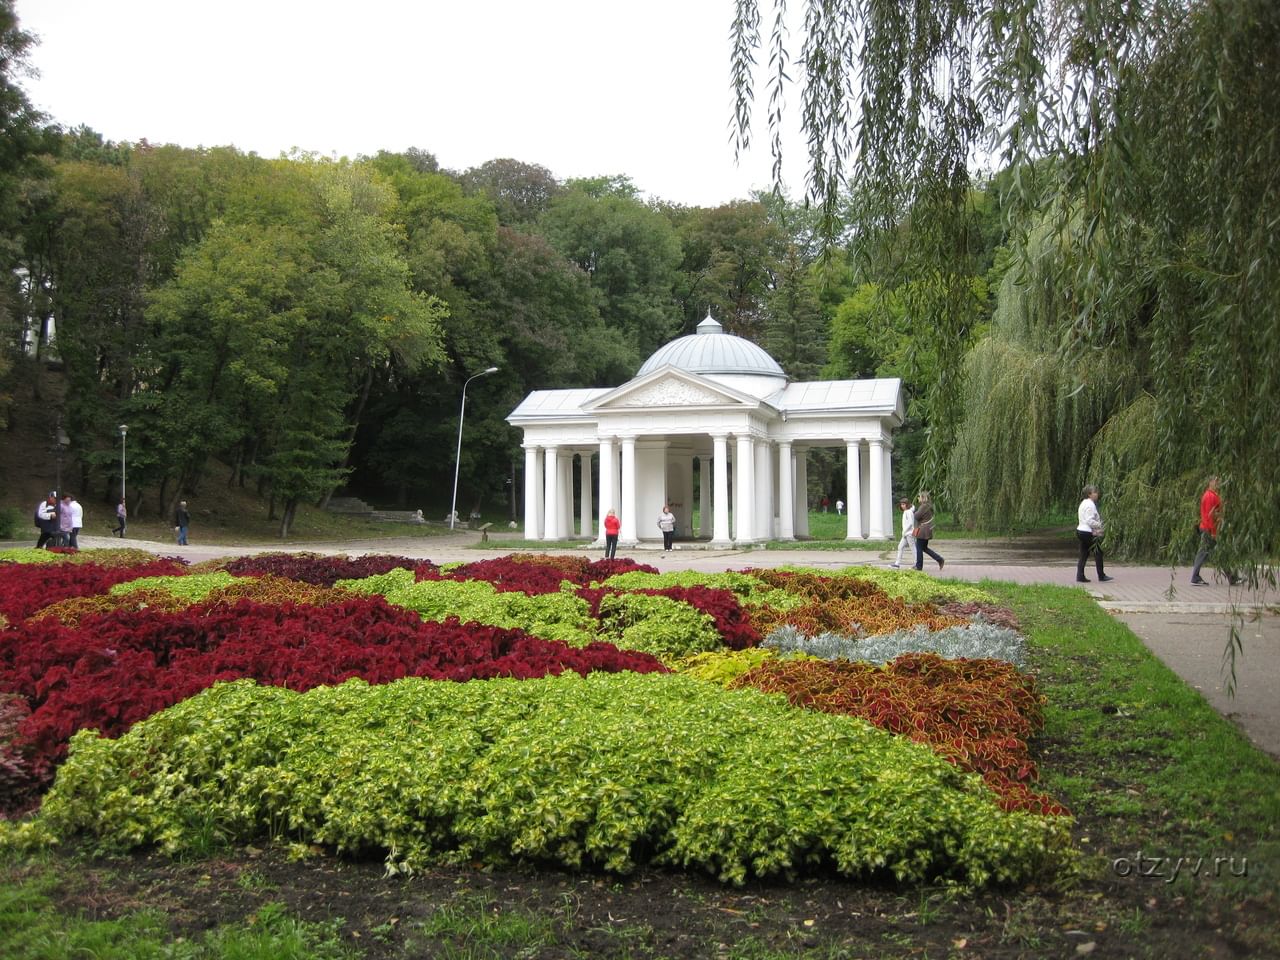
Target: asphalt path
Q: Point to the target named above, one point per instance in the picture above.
(1187, 627)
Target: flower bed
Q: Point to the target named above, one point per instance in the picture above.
(607, 770)
(100, 647)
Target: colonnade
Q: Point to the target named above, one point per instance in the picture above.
(767, 498)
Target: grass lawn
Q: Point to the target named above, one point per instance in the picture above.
(1177, 820)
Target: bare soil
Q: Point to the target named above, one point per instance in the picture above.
(654, 913)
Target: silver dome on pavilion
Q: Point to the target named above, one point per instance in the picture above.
(720, 356)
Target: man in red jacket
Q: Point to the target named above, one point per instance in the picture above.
(1210, 514)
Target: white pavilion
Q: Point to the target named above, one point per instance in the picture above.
(718, 408)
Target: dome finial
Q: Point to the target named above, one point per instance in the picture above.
(710, 325)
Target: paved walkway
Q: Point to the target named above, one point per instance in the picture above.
(1186, 627)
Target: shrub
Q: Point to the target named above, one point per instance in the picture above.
(26, 587)
(120, 667)
(321, 570)
(663, 627)
(271, 589)
(602, 770)
(976, 713)
(190, 587)
(858, 616)
(553, 616)
(71, 611)
(976, 641)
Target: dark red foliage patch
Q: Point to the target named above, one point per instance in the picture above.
(26, 587)
(602, 570)
(119, 667)
(539, 574)
(508, 574)
(323, 571)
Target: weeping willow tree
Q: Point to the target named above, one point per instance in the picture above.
(1149, 130)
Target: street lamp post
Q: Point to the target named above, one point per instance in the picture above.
(124, 429)
(457, 460)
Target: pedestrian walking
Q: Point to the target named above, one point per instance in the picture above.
(611, 527)
(923, 531)
(181, 521)
(908, 539)
(839, 508)
(1089, 531)
(1210, 516)
(667, 524)
(122, 519)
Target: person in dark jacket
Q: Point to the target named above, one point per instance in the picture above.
(47, 520)
(181, 521)
(924, 530)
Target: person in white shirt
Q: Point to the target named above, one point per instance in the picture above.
(77, 519)
(839, 507)
(908, 541)
(1089, 532)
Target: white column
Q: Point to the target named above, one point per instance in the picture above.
(786, 493)
(704, 496)
(584, 499)
(532, 494)
(551, 494)
(627, 514)
(888, 490)
(744, 531)
(720, 502)
(853, 491)
(608, 499)
(565, 513)
(802, 492)
(875, 506)
(764, 491)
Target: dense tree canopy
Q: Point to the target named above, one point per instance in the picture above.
(1101, 309)
(1137, 340)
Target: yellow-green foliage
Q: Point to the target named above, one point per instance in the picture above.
(723, 666)
(750, 591)
(103, 557)
(193, 587)
(666, 628)
(380, 583)
(552, 616)
(578, 770)
(31, 555)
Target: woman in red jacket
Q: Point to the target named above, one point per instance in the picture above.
(611, 527)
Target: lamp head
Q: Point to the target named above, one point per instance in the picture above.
(124, 428)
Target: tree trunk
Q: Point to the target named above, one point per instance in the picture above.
(286, 519)
(351, 434)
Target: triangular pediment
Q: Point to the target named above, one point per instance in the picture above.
(670, 387)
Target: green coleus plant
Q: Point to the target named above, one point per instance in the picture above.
(608, 770)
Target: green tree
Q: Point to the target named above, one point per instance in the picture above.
(1162, 124)
(628, 249)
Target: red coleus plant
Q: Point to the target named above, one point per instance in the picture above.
(976, 713)
(119, 667)
(27, 587)
(539, 574)
(321, 570)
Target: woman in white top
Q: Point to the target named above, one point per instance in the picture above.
(1089, 532)
(908, 541)
(667, 524)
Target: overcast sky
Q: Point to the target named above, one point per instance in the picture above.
(582, 87)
